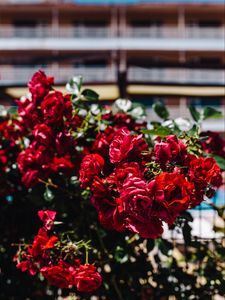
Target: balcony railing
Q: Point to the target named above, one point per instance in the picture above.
(10, 74)
(107, 32)
(176, 32)
(200, 76)
(50, 32)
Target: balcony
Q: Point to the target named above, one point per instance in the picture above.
(10, 75)
(131, 38)
(20, 75)
(182, 76)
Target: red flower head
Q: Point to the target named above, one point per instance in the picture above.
(172, 195)
(64, 143)
(204, 171)
(125, 144)
(214, 143)
(29, 112)
(135, 203)
(122, 171)
(43, 134)
(31, 178)
(170, 150)
(62, 164)
(60, 275)
(103, 140)
(40, 85)
(91, 166)
(28, 265)
(42, 242)
(87, 279)
(53, 108)
(47, 217)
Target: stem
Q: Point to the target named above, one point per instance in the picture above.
(22, 244)
(86, 251)
(119, 294)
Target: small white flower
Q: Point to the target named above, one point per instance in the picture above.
(168, 123)
(102, 126)
(82, 112)
(121, 105)
(95, 110)
(73, 86)
(138, 112)
(183, 124)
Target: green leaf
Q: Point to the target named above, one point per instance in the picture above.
(220, 161)
(210, 112)
(160, 131)
(194, 113)
(90, 95)
(161, 110)
(12, 110)
(164, 246)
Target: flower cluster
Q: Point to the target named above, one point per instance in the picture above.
(138, 187)
(62, 128)
(57, 259)
(48, 115)
(213, 143)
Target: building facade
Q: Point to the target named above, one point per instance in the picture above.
(172, 50)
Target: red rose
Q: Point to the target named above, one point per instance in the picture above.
(47, 217)
(31, 178)
(43, 134)
(62, 164)
(121, 173)
(42, 242)
(35, 156)
(29, 113)
(28, 265)
(64, 143)
(68, 108)
(108, 214)
(87, 279)
(53, 108)
(60, 275)
(172, 195)
(12, 129)
(125, 144)
(40, 85)
(91, 166)
(136, 202)
(121, 145)
(204, 171)
(170, 150)
(103, 140)
(214, 143)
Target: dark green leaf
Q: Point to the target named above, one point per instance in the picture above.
(160, 131)
(210, 112)
(161, 110)
(194, 113)
(220, 161)
(90, 95)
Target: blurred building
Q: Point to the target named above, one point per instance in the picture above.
(172, 50)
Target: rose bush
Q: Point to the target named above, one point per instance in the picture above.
(67, 153)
